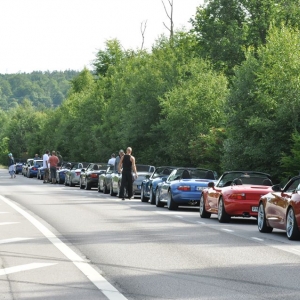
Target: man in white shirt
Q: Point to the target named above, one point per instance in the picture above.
(46, 166)
(112, 160)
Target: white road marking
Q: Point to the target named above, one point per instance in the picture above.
(200, 222)
(99, 281)
(257, 239)
(13, 240)
(24, 268)
(8, 223)
(179, 217)
(227, 230)
(4, 212)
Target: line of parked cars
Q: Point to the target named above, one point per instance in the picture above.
(235, 194)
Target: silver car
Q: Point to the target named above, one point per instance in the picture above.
(72, 176)
(142, 170)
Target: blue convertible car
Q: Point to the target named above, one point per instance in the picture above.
(183, 187)
(149, 185)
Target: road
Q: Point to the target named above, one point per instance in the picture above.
(60, 242)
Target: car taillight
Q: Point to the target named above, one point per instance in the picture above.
(77, 173)
(34, 169)
(241, 196)
(93, 175)
(184, 188)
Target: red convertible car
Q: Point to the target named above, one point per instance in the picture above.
(281, 209)
(236, 194)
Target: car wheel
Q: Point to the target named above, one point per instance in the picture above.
(262, 221)
(170, 203)
(105, 189)
(143, 198)
(292, 231)
(223, 217)
(80, 184)
(111, 191)
(203, 213)
(87, 185)
(158, 203)
(152, 196)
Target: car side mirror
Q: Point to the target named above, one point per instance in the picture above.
(211, 184)
(276, 188)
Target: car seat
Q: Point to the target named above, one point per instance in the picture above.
(237, 181)
(186, 175)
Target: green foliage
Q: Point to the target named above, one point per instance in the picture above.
(45, 89)
(290, 162)
(264, 104)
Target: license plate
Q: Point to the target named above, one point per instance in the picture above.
(199, 188)
(254, 208)
(138, 187)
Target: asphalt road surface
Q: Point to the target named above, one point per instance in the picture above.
(60, 242)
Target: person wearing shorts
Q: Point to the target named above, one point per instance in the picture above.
(53, 161)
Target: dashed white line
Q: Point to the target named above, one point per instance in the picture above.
(99, 281)
(24, 268)
(257, 239)
(14, 240)
(8, 223)
(227, 230)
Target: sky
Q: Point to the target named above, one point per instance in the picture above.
(49, 35)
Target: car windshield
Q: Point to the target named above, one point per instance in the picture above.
(244, 178)
(38, 163)
(142, 168)
(161, 172)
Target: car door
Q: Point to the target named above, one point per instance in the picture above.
(175, 175)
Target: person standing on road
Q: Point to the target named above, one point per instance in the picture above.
(59, 158)
(11, 166)
(53, 161)
(127, 164)
(118, 158)
(46, 166)
(112, 160)
(36, 157)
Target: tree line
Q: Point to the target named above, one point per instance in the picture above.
(224, 95)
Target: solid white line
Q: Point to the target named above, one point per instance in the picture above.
(24, 268)
(4, 212)
(99, 281)
(13, 240)
(228, 230)
(257, 239)
(8, 223)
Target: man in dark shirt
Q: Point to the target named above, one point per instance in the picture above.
(127, 164)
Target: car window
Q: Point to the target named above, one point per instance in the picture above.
(143, 168)
(245, 179)
(176, 174)
(294, 186)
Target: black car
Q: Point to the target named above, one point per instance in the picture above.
(89, 176)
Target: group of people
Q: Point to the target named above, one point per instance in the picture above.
(125, 163)
(50, 164)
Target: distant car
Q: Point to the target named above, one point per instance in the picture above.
(142, 170)
(40, 173)
(19, 167)
(72, 176)
(89, 176)
(104, 180)
(33, 169)
(149, 184)
(236, 194)
(61, 171)
(183, 187)
(25, 166)
(281, 209)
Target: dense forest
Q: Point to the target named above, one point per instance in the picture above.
(43, 89)
(224, 95)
